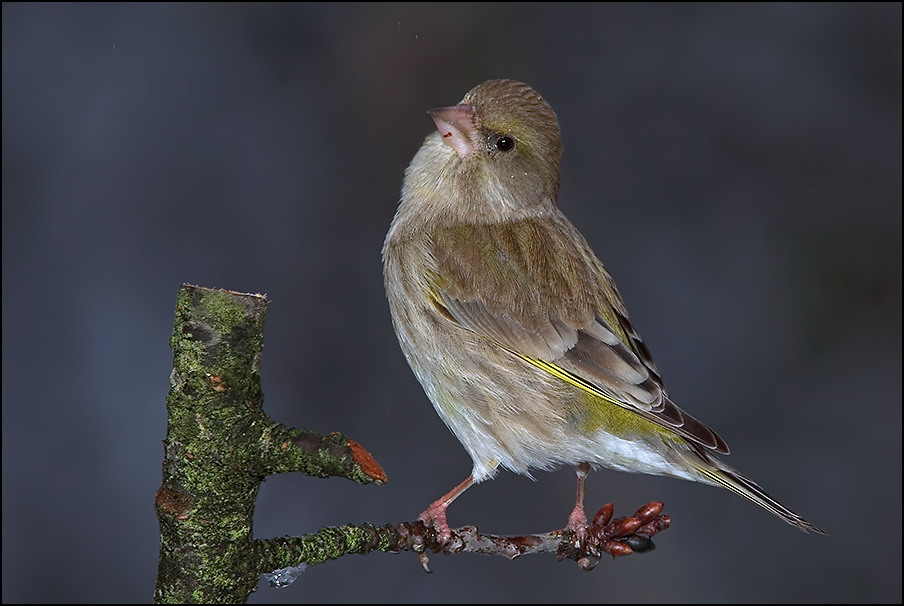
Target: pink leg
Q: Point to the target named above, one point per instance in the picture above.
(435, 514)
(577, 521)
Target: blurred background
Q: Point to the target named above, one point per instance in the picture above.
(737, 168)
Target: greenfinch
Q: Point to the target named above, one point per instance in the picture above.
(511, 323)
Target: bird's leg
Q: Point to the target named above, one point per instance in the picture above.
(577, 521)
(435, 514)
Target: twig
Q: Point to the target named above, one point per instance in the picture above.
(619, 537)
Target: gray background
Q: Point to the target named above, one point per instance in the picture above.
(737, 167)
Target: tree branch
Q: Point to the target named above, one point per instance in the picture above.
(220, 445)
(619, 537)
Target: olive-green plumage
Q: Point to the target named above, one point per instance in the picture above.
(511, 323)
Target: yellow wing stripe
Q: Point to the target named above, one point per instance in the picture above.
(570, 378)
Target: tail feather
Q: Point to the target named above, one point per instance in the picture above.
(722, 475)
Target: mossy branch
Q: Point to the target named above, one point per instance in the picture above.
(220, 445)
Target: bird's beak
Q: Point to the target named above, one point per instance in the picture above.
(458, 127)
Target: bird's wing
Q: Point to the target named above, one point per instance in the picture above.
(534, 288)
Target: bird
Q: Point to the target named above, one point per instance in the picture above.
(513, 326)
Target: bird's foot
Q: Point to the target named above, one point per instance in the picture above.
(577, 523)
(435, 516)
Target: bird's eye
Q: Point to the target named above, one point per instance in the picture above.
(505, 143)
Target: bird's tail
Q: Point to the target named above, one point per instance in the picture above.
(718, 473)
